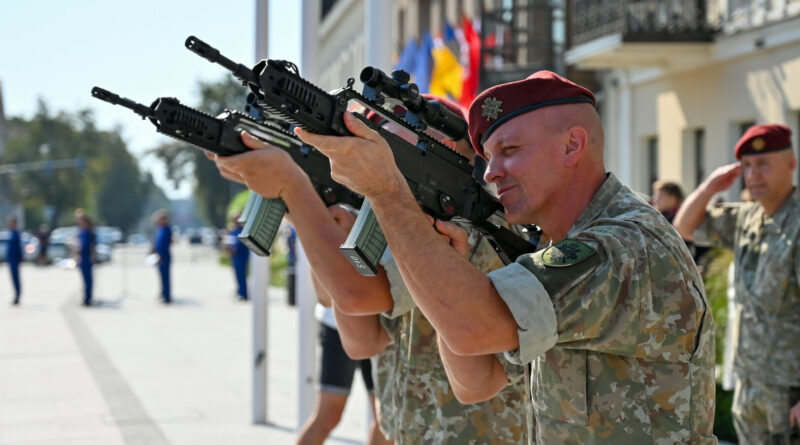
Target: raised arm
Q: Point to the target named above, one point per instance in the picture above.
(271, 173)
(474, 378)
(693, 210)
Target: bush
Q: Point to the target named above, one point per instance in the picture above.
(716, 264)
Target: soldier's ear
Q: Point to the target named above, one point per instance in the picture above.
(576, 142)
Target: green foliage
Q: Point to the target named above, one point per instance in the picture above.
(236, 207)
(108, 183)
(716, 281)
(723, 419)
(716, 264)
(212, 191)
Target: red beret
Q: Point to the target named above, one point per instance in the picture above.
(498, 104)
(447, 103)
(764, 138)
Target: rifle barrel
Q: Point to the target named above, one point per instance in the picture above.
(213, 55)
(108, 96)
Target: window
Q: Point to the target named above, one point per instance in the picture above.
(652, 160)
(699, 156)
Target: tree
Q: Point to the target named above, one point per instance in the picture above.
(184, 161)
(106, 172)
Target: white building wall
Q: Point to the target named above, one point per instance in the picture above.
(762, 85)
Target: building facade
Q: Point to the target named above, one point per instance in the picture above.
(681, 80)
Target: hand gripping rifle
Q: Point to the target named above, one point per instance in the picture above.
(222, 135)
(440, 179)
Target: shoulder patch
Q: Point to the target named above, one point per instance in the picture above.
(566, 253)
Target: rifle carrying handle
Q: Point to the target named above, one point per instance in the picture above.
(365, 244)
(262, 218)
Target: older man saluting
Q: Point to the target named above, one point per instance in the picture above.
(610, 310)
(763, 235)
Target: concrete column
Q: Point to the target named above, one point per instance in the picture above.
(306, 298)
(259, 266)
(306, 337)
(378, 41)
(624, 130)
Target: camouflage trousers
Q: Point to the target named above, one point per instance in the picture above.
(761, 413)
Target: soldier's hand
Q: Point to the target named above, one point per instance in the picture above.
(266, 170)
(363, 162)
(722, 178)
(344, 219)
(457, 237)
(794, 416)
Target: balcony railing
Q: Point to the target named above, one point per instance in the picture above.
(639, 20)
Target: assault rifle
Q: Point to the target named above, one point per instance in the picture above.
(222, 135)
(440, 179)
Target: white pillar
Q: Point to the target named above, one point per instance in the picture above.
(625, 130)
(306, 298)
(259, 266)
(378, 53)
(306, 337)
(378, 35)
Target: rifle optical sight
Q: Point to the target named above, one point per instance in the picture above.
(422, 113)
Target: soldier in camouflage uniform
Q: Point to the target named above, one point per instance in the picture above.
(611, 311)
(417, 404)
(425, 407)
(764, 236)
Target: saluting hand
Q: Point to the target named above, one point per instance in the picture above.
(266, 170)
(722, 178)
(363, 162)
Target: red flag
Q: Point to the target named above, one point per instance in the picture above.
(472, 70)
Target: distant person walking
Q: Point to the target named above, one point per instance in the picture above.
(240, 256)
(14, 256)
(161, 246)
(85, 257)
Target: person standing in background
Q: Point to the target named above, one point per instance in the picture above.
(763, 235)
(240, 255)
(14, 256)
(85, 257)
(667, 198)
(161, 246)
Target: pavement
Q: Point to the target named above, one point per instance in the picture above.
(130, 370)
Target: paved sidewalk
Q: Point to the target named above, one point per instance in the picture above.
(132, 371)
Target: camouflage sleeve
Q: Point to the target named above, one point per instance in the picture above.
(719, 226)
(585, 292)
(531, 308)
(403, 302)
(391, 325)
(514, 372)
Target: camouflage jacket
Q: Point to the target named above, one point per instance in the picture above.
(616, 318)
(425, 408)
(766, 277)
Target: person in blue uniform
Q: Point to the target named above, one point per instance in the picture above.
(85, 257)
(14, 256)
(240, 255)
(161, 246)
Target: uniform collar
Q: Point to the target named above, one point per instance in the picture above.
(789, 206)
(602, 198)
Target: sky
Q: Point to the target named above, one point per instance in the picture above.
(58, 50)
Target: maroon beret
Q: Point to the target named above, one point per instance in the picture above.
(447, 103)
(501, 103)
(764, 138)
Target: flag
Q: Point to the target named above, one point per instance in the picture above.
(472, 65)
(447, 72)
(416, 60)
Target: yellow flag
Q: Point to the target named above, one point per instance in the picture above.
(446, 76)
